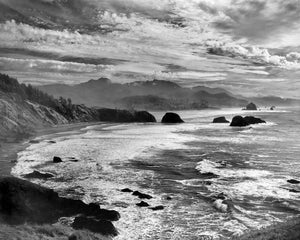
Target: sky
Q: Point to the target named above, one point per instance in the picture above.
(249, 47)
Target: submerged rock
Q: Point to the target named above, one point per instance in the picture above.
(141, 195)
(171, 117)
(293, 181)
(22, 201)
(103, 227)
(57, 159)
(220, 120)
(40, 175)
(251, 106)
(142, 204)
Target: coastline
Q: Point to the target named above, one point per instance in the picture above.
(11, 146)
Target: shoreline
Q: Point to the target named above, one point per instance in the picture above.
(11, 146)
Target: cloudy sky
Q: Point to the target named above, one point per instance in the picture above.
(251, 47)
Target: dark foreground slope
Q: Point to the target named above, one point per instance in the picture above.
(25, 202)
(24, 108)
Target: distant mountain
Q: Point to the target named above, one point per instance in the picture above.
(268, 101)
(149, 95)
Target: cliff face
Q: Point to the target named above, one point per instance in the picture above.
(20, 117)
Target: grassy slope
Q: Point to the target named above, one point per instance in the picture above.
(45, 232)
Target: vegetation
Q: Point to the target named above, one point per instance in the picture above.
(28, 92)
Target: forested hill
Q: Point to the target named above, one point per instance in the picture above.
(24, 108)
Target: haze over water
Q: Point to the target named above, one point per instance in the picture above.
(190, 162)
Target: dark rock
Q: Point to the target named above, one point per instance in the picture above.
(238, 121)
(293, 181)
(157, 208)
(142, 204)
(57, 160)
(272, 108)
(293, 190)
(115, 115)
(72, 237)
(253, 120)
(220, 120)
(22, 201)
(141, 195)
(144, 116)
(34, 141)
(251, 106)
(171, 118)
(168, 198)
(37, 174)
(51, 142)
(103, 227)
(127, 190)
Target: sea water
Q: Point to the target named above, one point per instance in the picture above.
(184, 167)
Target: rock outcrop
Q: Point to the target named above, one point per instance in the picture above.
(251, 106)
(239, 121)
(57, 159)
(171, 117)
(22, 201)
(220, 120)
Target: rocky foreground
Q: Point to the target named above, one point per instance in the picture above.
(25, 202)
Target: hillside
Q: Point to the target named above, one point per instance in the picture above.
(24, 108)
(149, 95)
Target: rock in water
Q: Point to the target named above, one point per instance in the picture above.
(57, 159)
(239, 121)
(144, 116)
(171, 118)
(220, 120)
(37, 174)
(253, 120)
(141, 195)
(293, 181)
(157, 208)
(22, 201)
(142, 204)
(251, 106)
(100, 226)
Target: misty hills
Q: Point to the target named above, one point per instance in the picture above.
(148, 95)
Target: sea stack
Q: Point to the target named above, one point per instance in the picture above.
(220, 120)
(171, 117)
(251, 106)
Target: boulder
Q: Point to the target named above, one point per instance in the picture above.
(22, 201)
(40, 175)
(272, 108)
(293, 181)
(238, 121)
(253, 120)
(171, 117)
(142, 204)
(57, 159)
(251, 106)
(103, 227)
(141, 195)
(144, 116)
(220, 120)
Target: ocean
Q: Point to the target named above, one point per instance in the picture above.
(213, 180)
